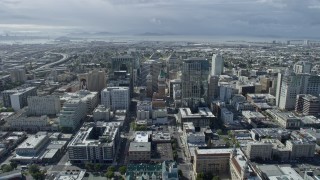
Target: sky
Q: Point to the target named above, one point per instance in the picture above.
(265, 18)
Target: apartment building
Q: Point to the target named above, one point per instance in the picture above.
(95, 143)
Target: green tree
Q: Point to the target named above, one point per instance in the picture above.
(6, 168)
(33, 168)
(36, 173)
(219, 132)
(200, 176)
(89, 166)
(109, 174)
(97, 167)
(123, 170)
(14, 165)
(180, 173)
(111, 168)
(216, 178)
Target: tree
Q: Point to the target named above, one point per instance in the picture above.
(123, 170)
(6, 168)
(111, 168)
(97, 167)
(89, 166)
(216, 178)
(200, 176)
(109, 174)
(219, 132)
(36, 173)
(33, 168)
(14, 165)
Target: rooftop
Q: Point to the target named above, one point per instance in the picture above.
(140, 146)
(141, 136)
(202, 112)
(32, 141)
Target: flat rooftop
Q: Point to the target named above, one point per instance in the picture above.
(32, 141)
(141, 136)
(213, 151)
(140, 146)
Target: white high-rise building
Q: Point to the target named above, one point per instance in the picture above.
(291, 84)
(217, 64)
(73, 111)
(43, 105)
(116, 98)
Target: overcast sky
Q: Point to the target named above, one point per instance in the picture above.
(283, 18)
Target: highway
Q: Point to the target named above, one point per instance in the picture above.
(46, 66)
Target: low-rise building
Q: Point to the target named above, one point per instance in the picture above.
(161, 137)
(203, 118)
(274, 172)
(32, 146)
(191, 136)
(271, 133)
(215, 161)
(285, 119)
(222, 162)
(22, 122)
(262, 98)
(300, 148)
(139, 152)
(259, 150)
(253, 118)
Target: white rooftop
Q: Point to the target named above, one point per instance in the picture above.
(32, 141)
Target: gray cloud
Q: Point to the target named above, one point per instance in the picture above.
(293, 18)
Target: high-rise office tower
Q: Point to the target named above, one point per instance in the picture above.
(149, 86)
(173, 66)
(217, 64)
(126, 63)
(122, 63)
(213, 88)
(194, 81)
(162, 84)
(291, 84)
